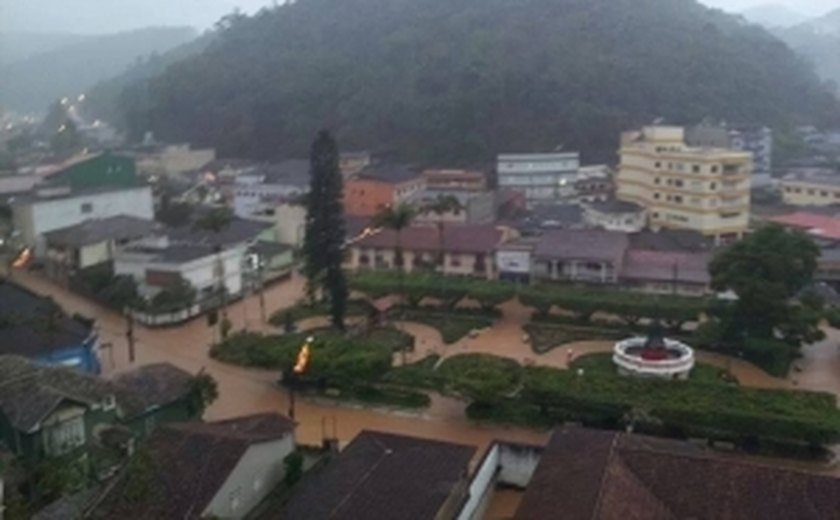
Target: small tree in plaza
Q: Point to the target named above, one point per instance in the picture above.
(325, 228)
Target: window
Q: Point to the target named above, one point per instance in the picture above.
(656, 180)
(788, 189)
(714, 168)
(87, 207)
(811, 192)
(656, 196)
(658, 164)
(655, 214)
(678, 199)
(823, 194)
(798, 190)
(713, 186)
(678, 183)
(65, 436)
(695, 168)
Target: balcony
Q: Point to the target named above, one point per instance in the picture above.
(732, 170)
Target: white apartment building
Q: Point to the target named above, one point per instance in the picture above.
(542, 177)
(697, 188)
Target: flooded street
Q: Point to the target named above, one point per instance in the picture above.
(244, 391)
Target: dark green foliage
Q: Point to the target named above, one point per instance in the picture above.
(545, 337)
(99, 283)
(460, 81)
(448, 289)
(325, 229)
(293, 466)
(174, 213)
(173, 298)
(420, 374)
(601, 364)
(452, 326)
(215, 220)
(482, 377)
(205, 389)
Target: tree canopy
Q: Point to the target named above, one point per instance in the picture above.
(460, 81)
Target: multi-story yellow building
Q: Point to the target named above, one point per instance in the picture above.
(682, 187)
(817, 188)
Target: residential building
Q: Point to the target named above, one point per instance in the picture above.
(219, 469)
(590, 256)
(383, 475)
(514, 260)
(380, 186)
(98, 171)
(467, 249)
(542, 177)
(34, 327)
(260, 187)
(474, 207)
(667, 272)
(49, 410)
(756, 139)
(594, 183)
(91, 242)
(608, 475)
(822, 227)
(288, 217)
(351, 163)
(615, 215)
(49, 209)
(819, 187)
(455, 180)
(551, 216)
(683, 187)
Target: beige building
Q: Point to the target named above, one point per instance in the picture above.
(811, 189)
(701, 189)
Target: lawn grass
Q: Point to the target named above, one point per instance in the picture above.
(304, 310)
(480, 374)
(601, 364)
(545, 337)
(452, 326)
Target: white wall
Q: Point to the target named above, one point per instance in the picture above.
(94, 254)
(40, 216)
(508, 261)
(258, 472)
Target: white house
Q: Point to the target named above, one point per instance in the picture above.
(48, 209)
(615, 215)
(255, 189)
(542, 177)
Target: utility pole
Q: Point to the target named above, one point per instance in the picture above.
(261, 288)
(129, 335)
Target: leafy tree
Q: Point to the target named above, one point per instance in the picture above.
(325, 229)
(441, 206)
(766, 271)
(175, 297)
(215, 220)
(205, 388)
(67, 140)
(293, 464)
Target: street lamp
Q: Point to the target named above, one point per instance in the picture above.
(300, 367)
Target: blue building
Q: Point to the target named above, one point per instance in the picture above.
(35, 327)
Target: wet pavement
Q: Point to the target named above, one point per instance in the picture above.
(244, 391)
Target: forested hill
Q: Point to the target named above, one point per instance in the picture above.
(73, 64)
(460, 80)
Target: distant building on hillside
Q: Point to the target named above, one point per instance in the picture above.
(263, 185)
(100, 171)
(351, 163)
(542, 177)
(446, 181)
(615, 215)
(684, 187)
(172, 159)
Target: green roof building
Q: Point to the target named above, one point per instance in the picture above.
(104, 170)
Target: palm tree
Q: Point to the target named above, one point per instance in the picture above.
(396, 218)
(442, 205)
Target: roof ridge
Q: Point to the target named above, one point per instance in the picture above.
(385, 452)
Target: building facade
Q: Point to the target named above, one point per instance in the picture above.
(682, 187)
(542, 177)
(366, 193)
(756, 139)
(815, 188)
(49, 209)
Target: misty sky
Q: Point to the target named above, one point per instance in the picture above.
(105, 16)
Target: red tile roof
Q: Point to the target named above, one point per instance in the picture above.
(824, 226)
(457, 238)
(604, 475)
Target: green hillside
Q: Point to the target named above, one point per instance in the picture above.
(460, 80)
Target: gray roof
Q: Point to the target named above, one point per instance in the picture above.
(24, 323)
(666, 266)
(29, 392)
(556, 215)
(816, 177)
(292, 172)
(238, 231)
(582, 244)
(187, 466)
(153, 386)
(50, 193)
(392, 173)
(615, 206)
(265, 248)
(671, 240)
(94, 231)
(382, 475)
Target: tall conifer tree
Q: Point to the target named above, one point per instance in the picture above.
(325, 229)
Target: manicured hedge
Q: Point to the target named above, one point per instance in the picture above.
(712, 410)
(481, 376)
(453, 326)
(449, 289)
(303, 310)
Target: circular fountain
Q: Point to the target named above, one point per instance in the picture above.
(653, 356)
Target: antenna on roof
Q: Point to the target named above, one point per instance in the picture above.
(658, 120)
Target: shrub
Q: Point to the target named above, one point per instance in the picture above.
(544, 338)
(420, 374)
(482, 377)
(453, 326)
